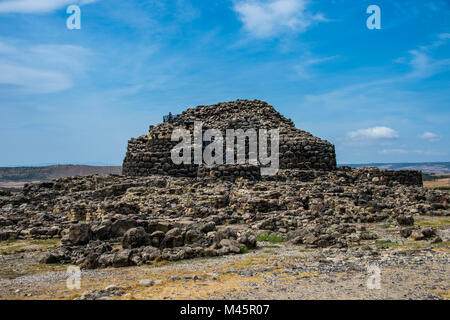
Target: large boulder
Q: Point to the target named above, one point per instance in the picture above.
(80, 234)
(102, 231)
(156, 238)
(248, 240)
(121, 259)
(135, 238)
(150, 253)
(91, 261)
(119, 227)
(173, 238)
(48, 258)
(55, 256)
(210, 226)
(193, 236)
(106, 259)
(404, 220)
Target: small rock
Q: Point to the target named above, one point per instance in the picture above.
(405, 232)
(113, 288)
(417, 235)
(404, 220)
(146, 282)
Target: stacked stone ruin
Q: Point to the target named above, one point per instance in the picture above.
(302, 156)
(159, 210)
(151, 154)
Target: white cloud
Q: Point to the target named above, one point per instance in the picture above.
(422, 64)
(33, 80)
(414, 151)
(37, 6)
(430, 136)
(270, 18)
(442, 39)
(304, 68)
(5, 48)
(65, 57)
(373, 133)
(372, 93)
(393, 151)
(41, 69)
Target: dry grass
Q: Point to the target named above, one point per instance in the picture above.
(11, 246)
(128, 279)
(182, 290)
(432, 221)
(23, 269)
(439, 183)
(249, 261)
(445, 294)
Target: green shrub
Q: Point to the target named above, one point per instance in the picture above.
(5, 193)
(243, 249)
(271, 238)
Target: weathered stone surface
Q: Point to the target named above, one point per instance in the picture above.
(404, 220)
(48, 258)
(80, 234)
(135, 238)
(121, 259)
(406, 232)
(150, 253)
(150, 154)
(119, 227)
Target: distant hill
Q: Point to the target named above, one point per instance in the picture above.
(27, 174)
(425, 167)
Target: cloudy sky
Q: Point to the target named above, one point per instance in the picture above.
(77, 96)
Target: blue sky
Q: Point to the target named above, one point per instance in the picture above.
(77, 96)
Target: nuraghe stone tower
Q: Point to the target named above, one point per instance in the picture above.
(151, 154)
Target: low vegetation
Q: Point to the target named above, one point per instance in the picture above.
(432, 222)
(432, 177)
(243, 249)
(270, 238)
(438, 182)
(13, 245)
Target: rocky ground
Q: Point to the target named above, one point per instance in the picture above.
(408, 270)
(167, 237)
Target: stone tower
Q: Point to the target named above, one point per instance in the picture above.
(151, 153)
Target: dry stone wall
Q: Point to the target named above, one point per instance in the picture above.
(298, 149)
(386, 177)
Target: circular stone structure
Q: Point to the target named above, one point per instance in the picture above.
(151, 154)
